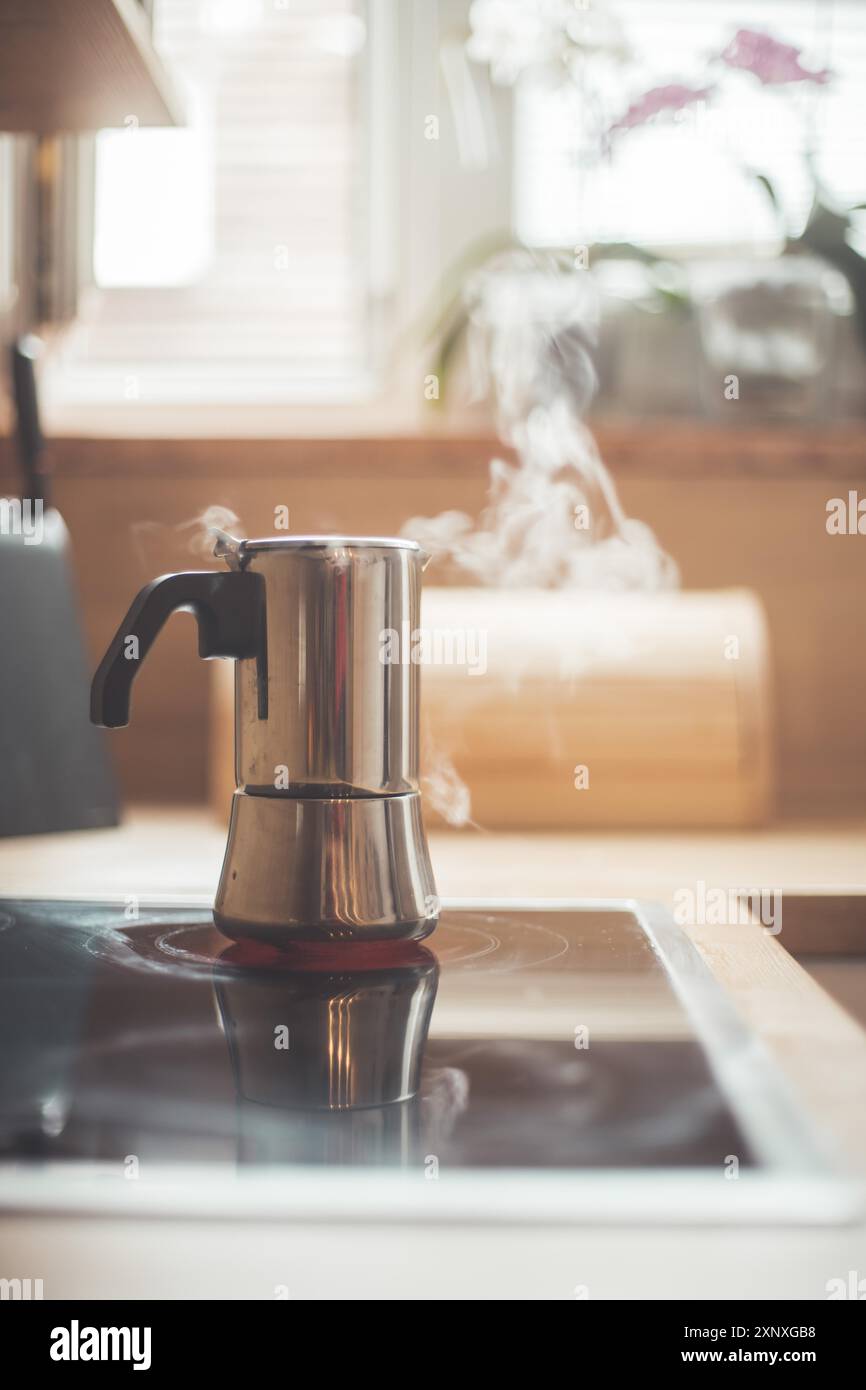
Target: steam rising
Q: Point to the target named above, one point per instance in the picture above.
(444, 788)
(206, 528)
(199, 533)
(553, 520)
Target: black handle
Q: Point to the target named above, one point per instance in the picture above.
(23, 355)
(230, 612)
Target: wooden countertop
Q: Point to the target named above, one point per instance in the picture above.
(818, 1045)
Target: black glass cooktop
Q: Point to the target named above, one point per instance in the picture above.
(527, 1038)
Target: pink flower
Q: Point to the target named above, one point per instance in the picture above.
(674, 97)
(769, 60)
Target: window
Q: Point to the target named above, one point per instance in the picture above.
(229, 255)
(682, 182)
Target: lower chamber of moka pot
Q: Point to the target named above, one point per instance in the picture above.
(329, 869)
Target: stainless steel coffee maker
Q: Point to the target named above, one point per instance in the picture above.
(326, 839)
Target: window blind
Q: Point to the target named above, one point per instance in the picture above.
(229, 257)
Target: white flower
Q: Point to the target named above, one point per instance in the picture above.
(513, 36)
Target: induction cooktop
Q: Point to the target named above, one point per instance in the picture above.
(550, 1060)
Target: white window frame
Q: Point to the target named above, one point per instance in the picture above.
(422, 213)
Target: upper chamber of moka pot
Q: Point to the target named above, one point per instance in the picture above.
(339, 713)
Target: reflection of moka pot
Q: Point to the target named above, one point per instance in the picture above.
(326, 839)
(336, 1052)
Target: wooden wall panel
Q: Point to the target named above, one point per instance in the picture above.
(733, 510)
